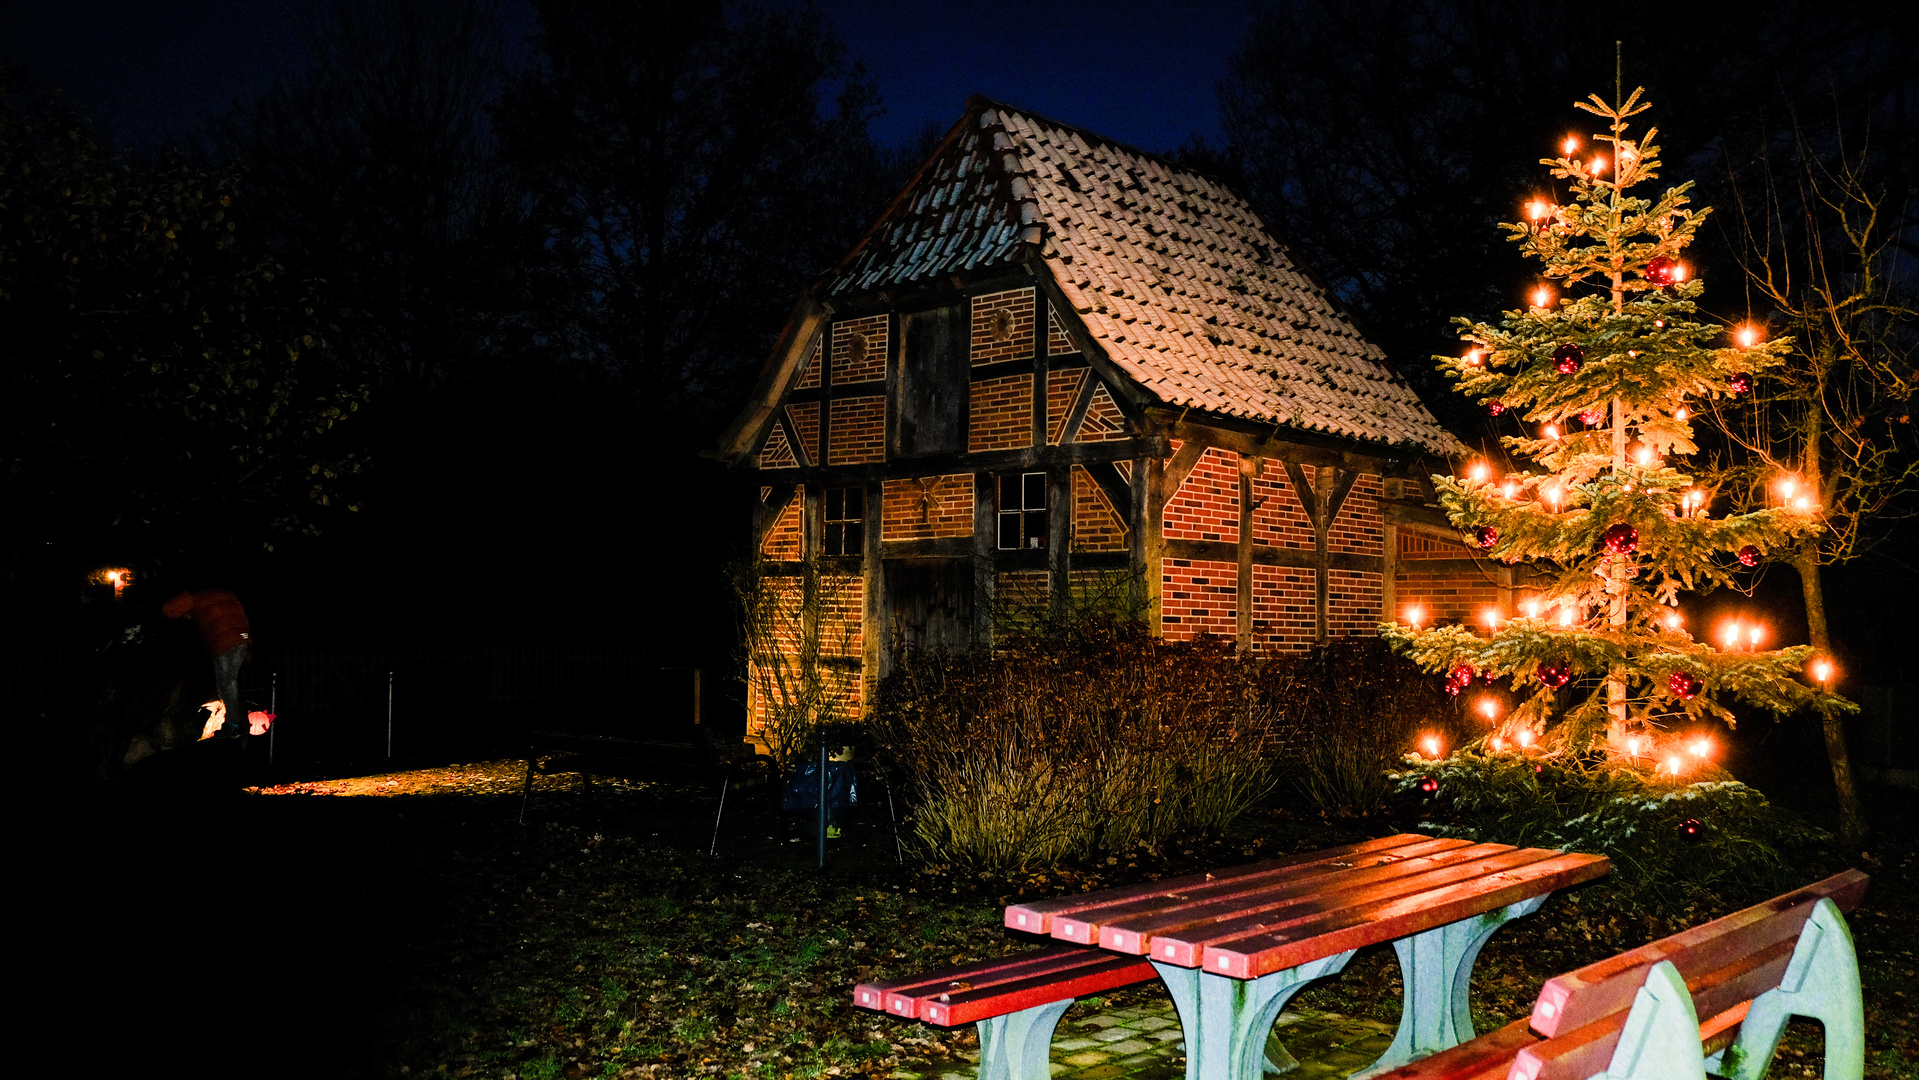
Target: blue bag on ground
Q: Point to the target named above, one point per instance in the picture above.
(803, 788)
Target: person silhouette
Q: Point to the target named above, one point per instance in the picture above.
(224, 629)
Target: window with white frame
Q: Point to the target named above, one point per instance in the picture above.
(1022, 510)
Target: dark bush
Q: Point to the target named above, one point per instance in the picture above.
(1079, 743)
(1363, 707)
(1738, 849)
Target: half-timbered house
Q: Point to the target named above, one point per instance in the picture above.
(1055, 361)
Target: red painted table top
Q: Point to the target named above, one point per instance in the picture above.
(1268, 916)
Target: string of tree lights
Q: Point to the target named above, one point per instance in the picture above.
(1598, 366)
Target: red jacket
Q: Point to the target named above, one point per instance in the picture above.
(217, 614)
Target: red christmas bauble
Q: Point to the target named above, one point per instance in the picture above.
(1495, 406)
(1568, 357)
(1459, 678)
(1485, 536)
(1740, 383)
(1621, 539)
(1662, 271)
(1592, 417)
(1691, 830)
(1428, 784)
(1684, 686)
(1554, 674)
(1749, 556)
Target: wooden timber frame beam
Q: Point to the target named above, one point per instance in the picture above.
(1322, 496)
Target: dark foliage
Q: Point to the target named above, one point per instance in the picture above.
(1380, 137)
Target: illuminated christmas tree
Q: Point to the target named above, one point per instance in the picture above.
(1599, 367)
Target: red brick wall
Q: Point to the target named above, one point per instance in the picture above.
(1056, 340)
(777, 452)
(858, 431)
(1097, 524)
(1206, 506)
(1278, 518)
(1283, 609)
(859, 350)
(810, 374)
(1417, 545)
(1352, 603)
(1002, 326)
(1103, 420)
(842, 614)
(927, 507)
(785, 539)
(1002, 414)
(805, 417)
(1020, 598)
(1062, 389)
(1359, 528)
(1445, 597)
(1197, 596)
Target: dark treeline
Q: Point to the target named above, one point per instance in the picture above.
(446, 318)
(531, 280)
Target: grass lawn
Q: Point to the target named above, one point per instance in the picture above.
(406, 925)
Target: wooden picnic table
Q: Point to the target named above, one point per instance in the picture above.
(1233, 946)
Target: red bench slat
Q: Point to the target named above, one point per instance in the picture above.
(1036, 917)
(970, 1006)
(995, 987)
(1580, 997)
(1138, 932)
(1488, 1057)
(1228, 894)
(1263, 951)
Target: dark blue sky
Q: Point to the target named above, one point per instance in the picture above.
(1142, 73)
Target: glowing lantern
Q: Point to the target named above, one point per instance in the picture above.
(1570, 146)
(1755, 634)
(1543, 296)
(1525, 737)
(1489, 707)
(1550, 431)
(1539, 212)
(1729, 635)
(1701, 748)
(1672, 765)
(1479, 472)
(1430, 744)
(1415, 615)
(1747, 336)
(1597, 165)
(1822, 672)
(1490, 617)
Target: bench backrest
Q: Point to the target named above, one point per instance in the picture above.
(1697, 987)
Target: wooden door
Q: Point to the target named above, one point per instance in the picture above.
(929, 605)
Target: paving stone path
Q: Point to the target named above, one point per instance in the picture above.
(1144, 1044)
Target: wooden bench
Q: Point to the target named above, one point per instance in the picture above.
(1715, 997)
(1234, 945)
(1016, 1001)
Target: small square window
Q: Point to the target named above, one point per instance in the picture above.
(1022, 510)
(844, 519)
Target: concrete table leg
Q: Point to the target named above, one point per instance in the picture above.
(1019, 1045)
(1227, 1020)
(1436, 967)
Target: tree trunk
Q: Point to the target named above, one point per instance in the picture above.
(1852, 814)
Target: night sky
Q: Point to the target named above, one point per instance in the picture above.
(1141, 73)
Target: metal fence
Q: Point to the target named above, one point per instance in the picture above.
(367, 708)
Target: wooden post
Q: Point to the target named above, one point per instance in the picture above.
(1149, 475)
(985, 555)
(873, 587)
(1041, 369)
(1249, 467)
(1059, 539)
(1389, 574)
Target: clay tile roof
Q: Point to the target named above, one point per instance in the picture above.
(1174, 276)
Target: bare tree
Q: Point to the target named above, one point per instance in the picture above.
(1826, 252)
